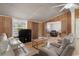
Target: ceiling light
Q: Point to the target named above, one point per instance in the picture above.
(71, 5)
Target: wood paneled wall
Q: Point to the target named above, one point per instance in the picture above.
(6, 25)
(34, 27)
(1, 25)
(77, 13)
(41, 29)
(65, 18)
(68, 22)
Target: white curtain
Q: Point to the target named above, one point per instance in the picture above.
(77, 28)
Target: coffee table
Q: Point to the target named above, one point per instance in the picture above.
(36, 43)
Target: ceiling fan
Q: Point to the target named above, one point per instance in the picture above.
(67, 6)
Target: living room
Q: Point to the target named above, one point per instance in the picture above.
(32, 30)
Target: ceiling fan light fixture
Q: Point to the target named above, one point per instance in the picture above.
(71, 5)
(68, 6)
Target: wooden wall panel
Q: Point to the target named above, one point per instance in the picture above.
(1, 25)
(41, 29)
(35, 30)
(34, 27)
(64, 23)
(6, 25)
(65, 18)
(77, 13)
(68, 23)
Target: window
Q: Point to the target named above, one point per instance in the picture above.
(54, 26)
(18, 24)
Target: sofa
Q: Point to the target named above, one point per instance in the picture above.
(18, 47)
(66, 48)
(11, 47)
(5, 48)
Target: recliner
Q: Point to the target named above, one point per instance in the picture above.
(62, 51)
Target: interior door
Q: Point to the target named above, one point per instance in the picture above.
(35, 30)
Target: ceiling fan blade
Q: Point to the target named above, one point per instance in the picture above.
(65, 7)
(69, 6)
(62, 9)
(58, 5)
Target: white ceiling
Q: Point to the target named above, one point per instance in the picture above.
(26, 11)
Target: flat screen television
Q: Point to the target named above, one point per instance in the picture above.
(25, 35)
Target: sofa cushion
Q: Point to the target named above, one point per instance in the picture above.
(55, 44)
(3, 37)
(65, 42)
(5, 49)
(51, 51)
(22, 51)
(59, 50)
